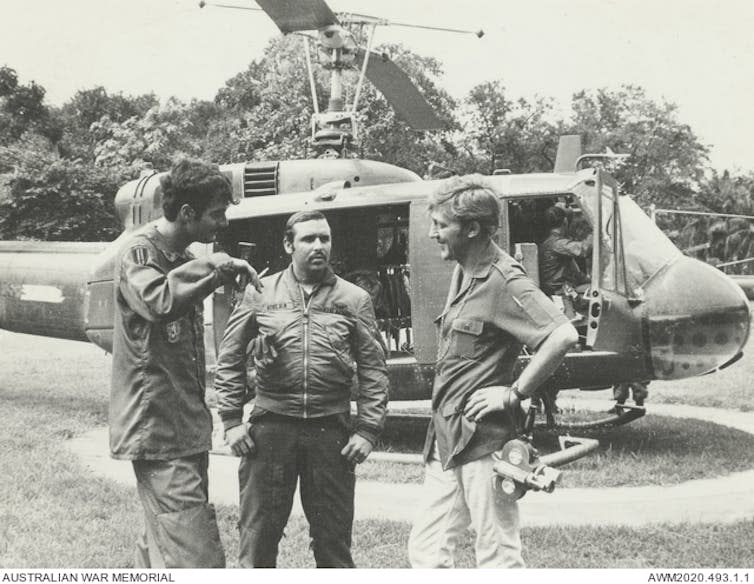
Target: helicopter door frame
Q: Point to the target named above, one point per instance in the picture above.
(606, 241)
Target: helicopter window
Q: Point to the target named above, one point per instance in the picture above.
(374, 256)
(612, 270)
(647, 249)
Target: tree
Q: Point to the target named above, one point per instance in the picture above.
(728, 192)
(88, 106)
(502, 132)
(55, 199)
(154, 139)
(22, 109)
(667, 161)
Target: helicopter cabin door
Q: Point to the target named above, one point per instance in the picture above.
(612, 321)
(430, 277)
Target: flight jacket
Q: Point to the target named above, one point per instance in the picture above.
(157, 407)
(321, 342)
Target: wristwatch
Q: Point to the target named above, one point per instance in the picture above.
(514, 388)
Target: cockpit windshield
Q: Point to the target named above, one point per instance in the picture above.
(632, 249)
(646, 248)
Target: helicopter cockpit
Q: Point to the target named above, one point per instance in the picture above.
(628, 249)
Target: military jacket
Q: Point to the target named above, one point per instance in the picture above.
(321, 342)
(557, 261)
(487, 319)
(157, 407)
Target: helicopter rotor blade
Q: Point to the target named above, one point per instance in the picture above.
(400, 91)
(478, 33)
(354, 18)
(295, 15)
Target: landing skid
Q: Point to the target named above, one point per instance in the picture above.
(623, 415)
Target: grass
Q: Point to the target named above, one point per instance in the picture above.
(55, 514)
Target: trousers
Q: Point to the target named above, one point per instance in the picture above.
(453, 500)
(180, 525)
(288, 451)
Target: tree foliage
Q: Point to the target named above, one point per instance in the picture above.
(22, 109)
(89, 106)
(666, 160)
(727, 192)
(501, 132)
(56, 199)
(162, 133)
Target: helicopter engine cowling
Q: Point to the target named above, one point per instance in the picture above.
(697, 319)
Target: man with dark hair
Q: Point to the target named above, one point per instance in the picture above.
(558, 255)
(158, 416)
(492, 310)
(309, 330)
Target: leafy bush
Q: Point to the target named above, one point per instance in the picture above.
(54, 199)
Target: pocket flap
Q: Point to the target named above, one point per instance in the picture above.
(467, 325)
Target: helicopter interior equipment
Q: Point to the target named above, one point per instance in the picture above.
(335, 132)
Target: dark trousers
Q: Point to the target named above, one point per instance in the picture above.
(180, 525)
(289, 449)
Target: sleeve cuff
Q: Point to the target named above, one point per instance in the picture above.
(231, 419)
(369, 434)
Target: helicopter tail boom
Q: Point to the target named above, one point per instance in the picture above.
(43, 287)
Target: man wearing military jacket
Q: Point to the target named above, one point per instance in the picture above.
(158, 417)
(309, 331)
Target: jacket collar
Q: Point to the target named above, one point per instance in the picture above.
(327, 280)
(161, 243)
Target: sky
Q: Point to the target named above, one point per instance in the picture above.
(697, 54)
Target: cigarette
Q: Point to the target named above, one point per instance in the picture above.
(263, 272)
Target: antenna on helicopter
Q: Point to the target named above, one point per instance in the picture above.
(335, 132)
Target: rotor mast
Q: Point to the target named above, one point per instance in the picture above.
(335, 131)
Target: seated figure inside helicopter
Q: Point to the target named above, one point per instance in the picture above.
(560, 255)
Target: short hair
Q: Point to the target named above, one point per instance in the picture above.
(466, 199)
(194, 183)
(300, 217)
(555, 216)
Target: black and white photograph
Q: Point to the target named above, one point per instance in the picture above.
(380, 285)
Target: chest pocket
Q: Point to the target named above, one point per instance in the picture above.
(467, 334)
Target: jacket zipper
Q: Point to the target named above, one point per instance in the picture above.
(306, 349)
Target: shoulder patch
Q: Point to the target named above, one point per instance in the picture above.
(140, 255)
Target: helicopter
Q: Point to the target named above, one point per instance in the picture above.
(642, 321)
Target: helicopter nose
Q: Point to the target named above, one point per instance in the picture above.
(698, 319)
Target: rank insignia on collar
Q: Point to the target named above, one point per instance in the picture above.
(140, 255)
